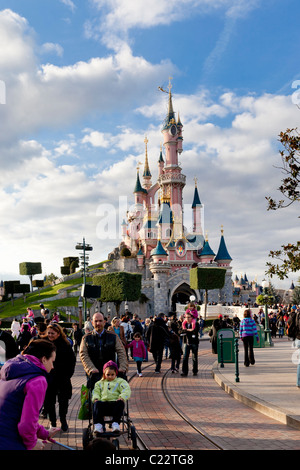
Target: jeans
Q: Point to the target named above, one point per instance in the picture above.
(157, 356)
(297, 345)
(248, 350)
(187, 349)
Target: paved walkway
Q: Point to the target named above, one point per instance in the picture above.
(270, 385)
(209, 411)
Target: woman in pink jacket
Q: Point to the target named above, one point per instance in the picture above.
(23, 384)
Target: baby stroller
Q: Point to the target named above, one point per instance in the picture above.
(126, 426)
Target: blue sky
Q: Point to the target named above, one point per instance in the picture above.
(81, 80)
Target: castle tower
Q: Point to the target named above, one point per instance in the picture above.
(196, 207)
(160, 268)
(223, 260)
(147, 174)
(161, 163)
(172, 181)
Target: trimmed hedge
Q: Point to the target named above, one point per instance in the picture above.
(207, 278)
(119, 286)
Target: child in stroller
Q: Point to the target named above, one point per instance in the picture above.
(109, 397)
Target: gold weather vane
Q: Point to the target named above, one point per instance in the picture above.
(169, 86)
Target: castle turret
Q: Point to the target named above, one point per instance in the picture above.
(206, 255)
(147, 174)
(223, 258)
(161, 163)
(160, 268)
(196, 207)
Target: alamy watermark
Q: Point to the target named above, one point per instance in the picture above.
(137, 217)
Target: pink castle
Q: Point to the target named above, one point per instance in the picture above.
(155, 233)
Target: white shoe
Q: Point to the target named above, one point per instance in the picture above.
(98, 428)
(140, 374)
(115, 427)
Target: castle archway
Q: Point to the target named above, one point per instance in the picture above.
(181, 295)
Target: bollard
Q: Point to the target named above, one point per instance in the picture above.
(236, 349)
(221, 352)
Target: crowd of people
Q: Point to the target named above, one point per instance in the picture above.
(41, 359)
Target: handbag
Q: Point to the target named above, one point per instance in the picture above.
(84, 408)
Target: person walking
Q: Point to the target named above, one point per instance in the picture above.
(99, 347)
(190, 344)
(138, 348)
(175, 351)
(77, 337)
(118, 329)
(15, 329)
(10, 345)
(156, 336)
(23, 384)
(217, 325)
(24, 337)
(248, 330)
(60, 386)
(293, 332)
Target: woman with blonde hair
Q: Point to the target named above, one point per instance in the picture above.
(118, 329)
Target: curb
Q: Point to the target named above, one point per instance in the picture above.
(272, 411)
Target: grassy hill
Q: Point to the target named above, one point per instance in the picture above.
(34, 299)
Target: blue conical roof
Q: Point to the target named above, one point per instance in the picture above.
(222, 252)
(138, 187)
(159, 250)
(206, 250)
(196, 201)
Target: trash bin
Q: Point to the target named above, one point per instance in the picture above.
(228, 337)
(261, 335)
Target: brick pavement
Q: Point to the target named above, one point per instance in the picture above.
(226, 421)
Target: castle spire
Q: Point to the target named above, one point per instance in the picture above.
(223, 256)
(147, 172)
(196, 201)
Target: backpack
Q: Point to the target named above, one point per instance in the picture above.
(292, 327)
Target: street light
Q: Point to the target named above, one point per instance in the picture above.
(84, 247)
(268, 339)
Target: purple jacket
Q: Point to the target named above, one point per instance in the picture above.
(248, 328)
(23, 385)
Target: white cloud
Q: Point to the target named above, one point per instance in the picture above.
(50, 48)
(46, 206)
(69, 4)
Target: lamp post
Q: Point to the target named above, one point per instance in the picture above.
(268, 339)
(84, 247)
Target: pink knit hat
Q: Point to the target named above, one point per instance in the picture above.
(111, 364)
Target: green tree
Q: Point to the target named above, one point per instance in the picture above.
(118, 287)
(288, 255)
(30, 269)
(207, 279)
(70, 265)
(50, 279)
